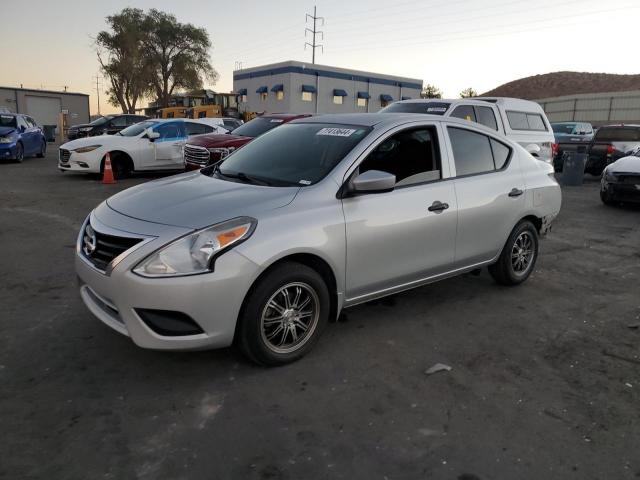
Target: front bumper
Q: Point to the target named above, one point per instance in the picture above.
(7, 150)
(213, 300)
(81, 162)
(623, 192)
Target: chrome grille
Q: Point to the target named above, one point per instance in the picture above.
(100, 249)
(64, 155)
(217, 154)
(195, 154)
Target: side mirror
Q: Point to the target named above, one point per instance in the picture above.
(533, 149)
(151, 135)
(373, 181)
(22, 128)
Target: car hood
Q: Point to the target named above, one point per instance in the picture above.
(629, 164)
(6, 131)
(218, 140)
(97, 140)
(194, 200)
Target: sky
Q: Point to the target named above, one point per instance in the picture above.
(453, 44)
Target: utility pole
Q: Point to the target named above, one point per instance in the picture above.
(97, 78)
(313, 32)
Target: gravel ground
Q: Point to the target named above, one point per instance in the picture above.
(545, 381)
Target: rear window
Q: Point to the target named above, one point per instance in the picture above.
(258, 126)
(526, 121)
(617, 134)
(566, 128)
(431, 108)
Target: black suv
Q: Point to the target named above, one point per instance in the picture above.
(109, 124)
(610, 143)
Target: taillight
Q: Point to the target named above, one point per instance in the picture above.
(610, 149)
(554, 149)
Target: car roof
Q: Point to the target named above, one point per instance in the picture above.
(286, 116)
(621, 125)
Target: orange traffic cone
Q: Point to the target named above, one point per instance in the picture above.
(107, 176)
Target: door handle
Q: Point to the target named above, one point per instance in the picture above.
(438, 206)
(515, 192)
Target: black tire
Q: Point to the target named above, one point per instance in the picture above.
(252, 334)
(43, 150)
(120, 166)
(509, 269)
(606, 198)
(19, 153)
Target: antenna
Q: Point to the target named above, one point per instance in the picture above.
(313, 32)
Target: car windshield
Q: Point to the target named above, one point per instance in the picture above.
(295, 154)
(8, 121)
(618, 134)
(566, 128)
(101, 120)
(258, 126)
(137, 129)
(432, 108)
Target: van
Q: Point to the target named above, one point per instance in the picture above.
(522, 121)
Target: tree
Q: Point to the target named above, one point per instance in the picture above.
(120, 54)
(468, 93)
(430, 91)
(177, 54)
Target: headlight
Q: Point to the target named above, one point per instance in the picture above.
(89, 148)
(609, 177)
(194, 253)
(85, 129)
(6, 140)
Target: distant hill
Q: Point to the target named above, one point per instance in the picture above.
(565, 83)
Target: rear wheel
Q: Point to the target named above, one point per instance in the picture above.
(43, 150)
(284, 315)
(518, 257)
(19, 153)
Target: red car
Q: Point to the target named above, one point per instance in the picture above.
(204, 150)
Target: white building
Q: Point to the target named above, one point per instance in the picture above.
(297, 87)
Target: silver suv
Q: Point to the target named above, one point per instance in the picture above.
(315, 216)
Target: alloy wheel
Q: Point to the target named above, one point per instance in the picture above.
(522, 253)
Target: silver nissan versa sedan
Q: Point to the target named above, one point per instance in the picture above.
(320, 214)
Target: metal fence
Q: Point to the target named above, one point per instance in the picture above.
(598, 109)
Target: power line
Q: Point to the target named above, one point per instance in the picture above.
(314, 32)
(97, 78)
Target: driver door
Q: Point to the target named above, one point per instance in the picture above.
(397, 238)
(168, 147)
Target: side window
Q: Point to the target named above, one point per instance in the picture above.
(501, 154)
(22, 122)
(119, 121)
(197, 128)
(465, 112)
(486, 117)
(535, 122)
(230, 123)
(411, 155)
(472, 152)
(169, 131)
(31, 122)
(526, 121)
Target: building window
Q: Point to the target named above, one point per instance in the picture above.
(307, 97)
(280, 95)
(263, 97)
(337, 99)
(362, 102)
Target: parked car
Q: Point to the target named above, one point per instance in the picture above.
(109, 124)
(621, 181)
(315, 216)
(20, 137)
(150, 145)
(570, 137)
(610, 143)
(522, 121)
(226, 124)
(207, 149)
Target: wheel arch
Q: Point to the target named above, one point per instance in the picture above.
(118, 154)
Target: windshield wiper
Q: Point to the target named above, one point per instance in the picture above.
(242, 176)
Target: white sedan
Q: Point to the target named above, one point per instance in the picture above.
(149, 145)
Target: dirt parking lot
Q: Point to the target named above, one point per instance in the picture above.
(545, 381)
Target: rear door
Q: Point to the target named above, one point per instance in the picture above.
(398, 238)
(28, 136)
(489, 188)
(168, 147)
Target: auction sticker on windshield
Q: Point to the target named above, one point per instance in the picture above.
(336, 132)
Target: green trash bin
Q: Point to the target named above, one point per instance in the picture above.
(49, 132)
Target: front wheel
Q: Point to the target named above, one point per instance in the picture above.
(283, 315)
(43, 150)
(606, 197)
(518, 257)
(19, 153)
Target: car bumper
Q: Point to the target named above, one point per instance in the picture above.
(81, 162)
(7, 150)
(623, 192)
(189, 166)
(213, 300)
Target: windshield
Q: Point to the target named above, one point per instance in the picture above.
(432, 108)
(137, 129)
(566, 128)
(101, 120)
(8, 121)
(258, 126)
(295, 154)
(618, 134)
